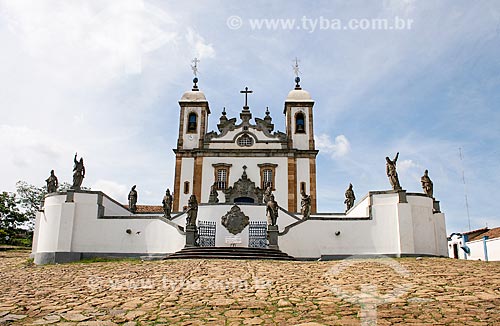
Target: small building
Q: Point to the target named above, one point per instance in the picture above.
(480, 244)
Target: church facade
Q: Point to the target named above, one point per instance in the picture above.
(232, 172)
(284, 160)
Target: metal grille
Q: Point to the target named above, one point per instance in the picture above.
(245, 141)
(221, 178)
(268, 177)
(257, 234)
(206, 233)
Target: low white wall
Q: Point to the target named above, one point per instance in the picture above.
(393, 228)
(428, 228)
(379, 224)
(477, 249)
(75, 227)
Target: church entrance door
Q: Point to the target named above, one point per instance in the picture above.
(247, 200)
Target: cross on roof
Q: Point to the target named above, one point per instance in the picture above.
(195, 67)
(246, 92)
(295, 67)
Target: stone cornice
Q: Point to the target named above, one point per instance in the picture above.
(246, 153)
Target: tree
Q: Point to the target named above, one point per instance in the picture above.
(32, 197)
(31, 200)
(11, 218)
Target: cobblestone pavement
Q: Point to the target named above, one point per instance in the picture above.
(428, 291)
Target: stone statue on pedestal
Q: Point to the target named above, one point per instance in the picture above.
(167, 204)
(192, 211)
(427, 184)
(267, 193)
(132, 200)
(392, 173)
(305, 205)
(78, 173)
(272, 211)
(349, 198)
(52, 182)
(214, 195)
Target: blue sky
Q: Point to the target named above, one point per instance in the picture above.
(103, 78)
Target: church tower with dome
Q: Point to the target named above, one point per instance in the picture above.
(243, 157)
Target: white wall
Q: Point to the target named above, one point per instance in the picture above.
(477, 249)
(392, 228)
(75, 227)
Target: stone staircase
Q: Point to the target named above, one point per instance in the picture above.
(230, 253)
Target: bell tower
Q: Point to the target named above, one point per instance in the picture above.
(299, 118)
(193, 124)
(193, 120)
(300, 134)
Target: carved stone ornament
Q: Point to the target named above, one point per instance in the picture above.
(244, 187)
(235, 220)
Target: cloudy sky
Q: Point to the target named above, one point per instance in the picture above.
(102, 78)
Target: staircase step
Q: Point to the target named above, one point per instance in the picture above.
(229, 253)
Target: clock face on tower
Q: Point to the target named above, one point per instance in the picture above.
(190, 137)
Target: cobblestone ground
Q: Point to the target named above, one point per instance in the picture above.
(428, 291)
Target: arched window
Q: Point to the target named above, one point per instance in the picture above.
(192, 117)
(300, 127)
(186, 187)
(245, 141)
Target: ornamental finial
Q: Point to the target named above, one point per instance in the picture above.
(296, 71)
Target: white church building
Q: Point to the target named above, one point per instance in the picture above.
(238, 161)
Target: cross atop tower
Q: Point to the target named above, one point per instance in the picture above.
(296, 71)
(246, 92)
(295, 67)
(195, 66)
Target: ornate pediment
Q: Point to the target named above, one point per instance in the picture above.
(264, 125)
(244, 190)
(235, 220)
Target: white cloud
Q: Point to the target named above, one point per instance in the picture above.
(202, 49)
(114, 190)
(406, 165)
(24, 146)
(339, 148)
(112, 35)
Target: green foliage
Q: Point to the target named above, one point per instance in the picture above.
(11, 218)
(31, 199)
(18, 212)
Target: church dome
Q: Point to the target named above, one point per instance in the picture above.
(193, 96)
(299, 95)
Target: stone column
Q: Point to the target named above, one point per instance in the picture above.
(272, 236)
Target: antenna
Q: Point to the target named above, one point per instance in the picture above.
(465, 186)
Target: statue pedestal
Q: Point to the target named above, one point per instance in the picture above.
(435, 206)
(272, 236)
(191, 235)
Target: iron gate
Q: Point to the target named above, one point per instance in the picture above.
(206, 233)
(257, 234)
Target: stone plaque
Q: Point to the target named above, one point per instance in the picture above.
(235, 220)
